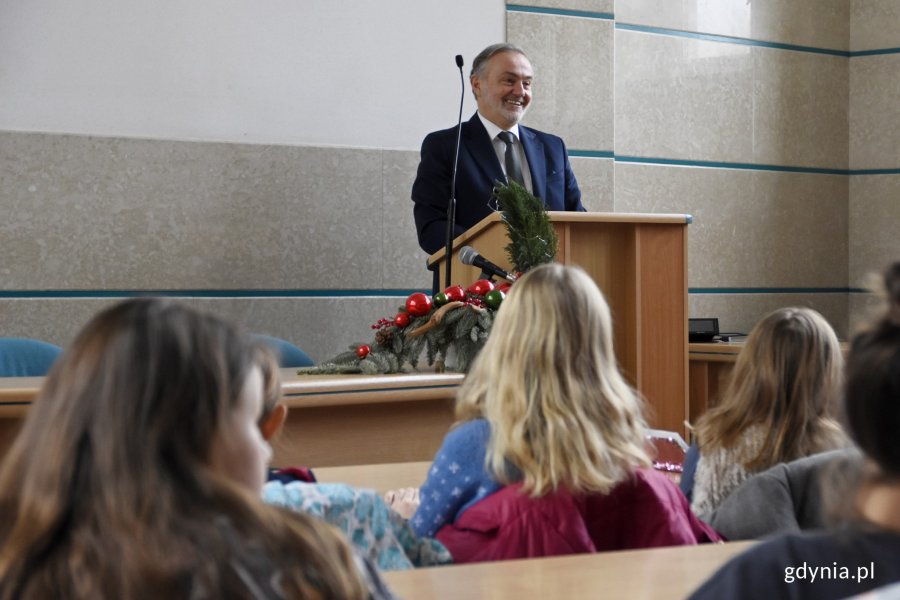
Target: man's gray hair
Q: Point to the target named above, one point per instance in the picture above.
(485, 55)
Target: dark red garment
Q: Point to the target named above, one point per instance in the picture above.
(645, 512)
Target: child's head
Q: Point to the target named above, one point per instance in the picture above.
(872, 402)
(548, 382)
(138, 471)
(152, 390)
(786, 379)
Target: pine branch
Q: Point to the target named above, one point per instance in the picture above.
(532, 240)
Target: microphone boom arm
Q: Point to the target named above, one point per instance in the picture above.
(451, 203)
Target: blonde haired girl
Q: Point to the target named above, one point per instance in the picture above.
(544, 404)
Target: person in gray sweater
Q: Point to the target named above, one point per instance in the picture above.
(786, 498)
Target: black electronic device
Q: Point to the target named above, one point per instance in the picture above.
(703, 330)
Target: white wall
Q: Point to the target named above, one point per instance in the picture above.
(308, 72)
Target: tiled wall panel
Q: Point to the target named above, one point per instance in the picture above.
(813, 23)
(875, 112)
(683, 98)
(740, 312)
(751, 229)
(323, 327)
(573, 85)
(874, 24)
(874, 225)
(693, 99)
(799, 109)
(107, 213)
(598, 6)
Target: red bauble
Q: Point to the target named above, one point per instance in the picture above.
(418, 304)
(504, 287)
(402, 319)
(481, 287)
(363, 351)
(455, 293)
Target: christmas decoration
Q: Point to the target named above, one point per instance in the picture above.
(440, 299)
(418, 304)
(450, 329)
(493, 299)
(532, 240)
(481, 287)
(455, 293)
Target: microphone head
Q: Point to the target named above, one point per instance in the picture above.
(467, 255)
(459, 61)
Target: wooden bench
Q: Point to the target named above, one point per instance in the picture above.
(654, 573)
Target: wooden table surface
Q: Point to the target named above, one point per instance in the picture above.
(333, 419)
(666, 573)
(381, 477)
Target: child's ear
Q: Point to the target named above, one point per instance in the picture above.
(272, 423)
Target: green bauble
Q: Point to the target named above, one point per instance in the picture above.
(440, 299)
(494, 298)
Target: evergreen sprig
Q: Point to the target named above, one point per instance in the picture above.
(532, 240)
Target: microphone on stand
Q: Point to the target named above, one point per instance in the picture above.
(451, 204)
(469, 256)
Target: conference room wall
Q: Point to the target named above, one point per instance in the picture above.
(874, 146)
(739, 114)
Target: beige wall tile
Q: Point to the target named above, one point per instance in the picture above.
(751, 228)
(667, 14)
(874, 112)
(874, 225)
(814, 23)
(740, 312)
(874, 24)
(800, 109)
(595, 179)
(598, 6)
(866, 307)
(404, 261)
(323, 327)
(108, 213)
(573, 91)
(683, 98)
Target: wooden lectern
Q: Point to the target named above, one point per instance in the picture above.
(639, 261)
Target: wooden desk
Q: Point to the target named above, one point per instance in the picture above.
(709, 365)
(639, 261)
(383, 477)
(333, 419)
(655, 573)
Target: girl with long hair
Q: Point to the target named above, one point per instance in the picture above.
(863, 552)
(138, 470)
(778, 407)
(544, 410)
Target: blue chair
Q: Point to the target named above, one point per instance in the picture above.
(23, 357)
(288, 354)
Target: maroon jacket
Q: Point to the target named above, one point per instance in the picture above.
(647, 511)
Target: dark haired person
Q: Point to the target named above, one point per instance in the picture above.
(138, 471)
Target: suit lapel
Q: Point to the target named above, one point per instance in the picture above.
(482, 150)
(537, 164)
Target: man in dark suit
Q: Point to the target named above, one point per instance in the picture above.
(501, 81)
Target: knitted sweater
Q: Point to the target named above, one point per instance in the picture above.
(721, 471)
(457, 478)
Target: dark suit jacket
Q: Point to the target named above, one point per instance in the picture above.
(478, 170)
